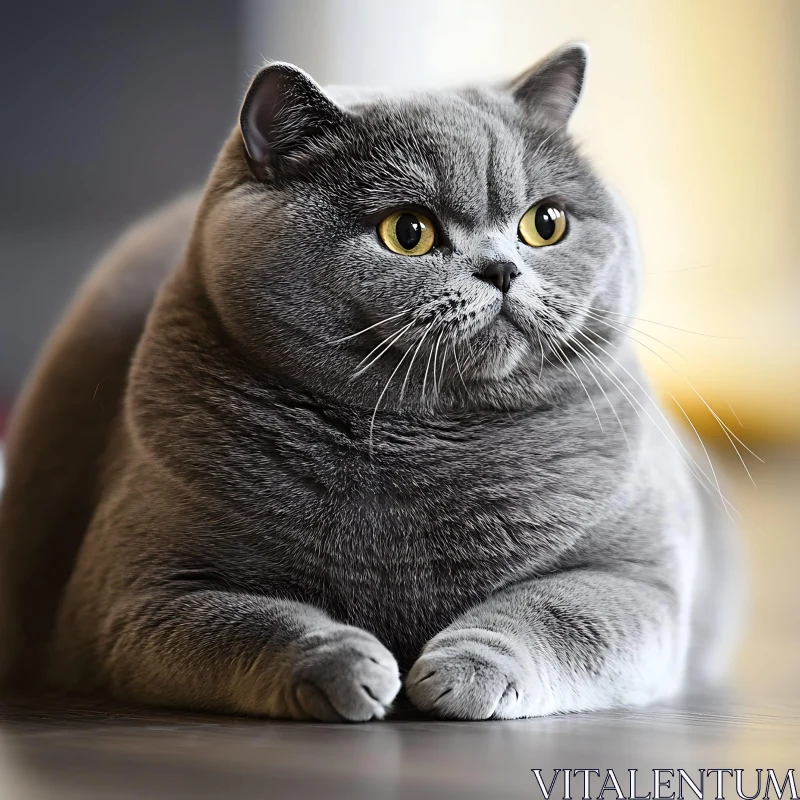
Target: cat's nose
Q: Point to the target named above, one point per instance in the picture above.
(500, 273)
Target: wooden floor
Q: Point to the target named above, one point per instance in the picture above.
(85, 752)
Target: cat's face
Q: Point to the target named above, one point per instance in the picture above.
(459, 230)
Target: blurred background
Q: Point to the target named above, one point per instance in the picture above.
(692, 111)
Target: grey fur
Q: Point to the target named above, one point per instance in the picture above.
(204, 509)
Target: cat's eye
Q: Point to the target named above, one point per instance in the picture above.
(408, 233)
(543, 224)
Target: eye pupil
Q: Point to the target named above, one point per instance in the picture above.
(543, 224)
(408, 230)
(545, 221)
(407, 233)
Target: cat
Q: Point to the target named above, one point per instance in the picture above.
(363, 417)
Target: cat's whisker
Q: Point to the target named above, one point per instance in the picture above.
(413, 358)
(380, 398)
(694, 469)
(665, 325)
(729, 433)
(458, 365)
(574, 343)
(725, 427)
(434, 384)
(606, 370)
(741, 424)
(425, 376)
(444, 358)
(631, 397)
(375, 325)
(699, 437)
(613, 325)
(608, 399)
(615, 380)
(568, 364)
(472, 355)
(541, 354)
(722, 497)
(386, 344)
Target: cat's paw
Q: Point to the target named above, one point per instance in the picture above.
(342, 674)
(472, 674)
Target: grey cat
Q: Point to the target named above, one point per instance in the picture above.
(365, 410)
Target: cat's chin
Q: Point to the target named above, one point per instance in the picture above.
(503, 347)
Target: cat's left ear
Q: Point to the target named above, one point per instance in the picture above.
(552, 87)
(284, 116)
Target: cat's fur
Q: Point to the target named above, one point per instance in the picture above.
(203, 508)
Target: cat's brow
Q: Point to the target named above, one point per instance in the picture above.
(500, 194)
(468, 186)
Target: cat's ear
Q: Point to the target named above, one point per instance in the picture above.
(284, 115)
(552, 87)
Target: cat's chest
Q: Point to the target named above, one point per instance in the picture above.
(493, 502)
(401, 554)
(402, 540)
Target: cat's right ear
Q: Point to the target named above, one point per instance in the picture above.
(284, 116)
(552, 87)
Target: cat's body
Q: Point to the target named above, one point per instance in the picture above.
(234, 501)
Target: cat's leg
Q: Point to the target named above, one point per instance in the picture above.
(578, 640)
(241, 653)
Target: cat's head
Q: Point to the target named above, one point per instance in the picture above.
(454, 240)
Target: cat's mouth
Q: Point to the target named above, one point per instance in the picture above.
(507, 319)
(502, 331)
(503, 343)
(506, 315)
(509, 335)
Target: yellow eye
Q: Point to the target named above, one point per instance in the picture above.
(407, 233)
(543, 224)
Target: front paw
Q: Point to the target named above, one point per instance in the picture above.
(342, 674)
(472, 674)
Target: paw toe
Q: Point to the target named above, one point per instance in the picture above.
(466, 679)
(347, 675)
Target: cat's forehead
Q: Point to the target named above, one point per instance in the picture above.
(443, 127)
(459, 151)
